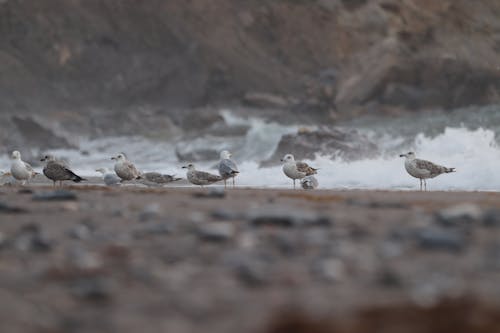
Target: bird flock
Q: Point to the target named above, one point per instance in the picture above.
(124, 171)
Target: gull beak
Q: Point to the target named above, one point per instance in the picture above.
(184, 167)
(113, 158)
(282, 160)
(402, 155)
(42, 160)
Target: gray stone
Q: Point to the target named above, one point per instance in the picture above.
(287, 218)
(8, 209)
(31, 238)
(460, 215)
(152, 229)
(58, 195)
(92, 288)
(440, 239)
(216, 231)
(213, 193)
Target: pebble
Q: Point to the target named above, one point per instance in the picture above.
(287, 218)
(81, 231)
(152, 228)
(213, 193)
(8, 209)
(92, 288)
(31, 238)
(331, 270)
(460, 215)
(491, 218)
(248, 269)
(149, 213)
(58, 195)
(440, 239)
(216, 231)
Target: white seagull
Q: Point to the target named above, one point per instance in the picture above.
(109, 178)
(125, 169)
(200, 177)
(296, 169)
(21, 170)
(423, 169)
(227, 167)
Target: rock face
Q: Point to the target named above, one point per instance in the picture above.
(348, 144)
(86, 62)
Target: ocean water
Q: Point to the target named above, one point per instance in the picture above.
(464, 140)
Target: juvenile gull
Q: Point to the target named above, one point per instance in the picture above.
(296, 169)
(423, 169)
(21, 170)
(309, 183)
(227, 167)
(200, 177)
(125, 169)
(57, 171)
(109, 177)
(157, 179)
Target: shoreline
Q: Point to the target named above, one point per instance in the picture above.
(185, 259)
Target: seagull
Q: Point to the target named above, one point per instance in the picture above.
(109, 178)
(125, 169)
(21, 170)
(57, 171)
(296, 169)
(227, 167)
(200, 177)
(157, 179)
(309, 183)
(423, 169)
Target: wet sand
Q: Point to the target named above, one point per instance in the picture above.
(180, 260)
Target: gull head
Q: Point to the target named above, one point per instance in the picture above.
(409, 155)
(48, 158)
(225, 155)
(119, 158)
(15, 155)
(102, 170)
(288, 158)
(190, 167)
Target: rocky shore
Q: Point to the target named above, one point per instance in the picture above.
(94, 259)
(105, 68)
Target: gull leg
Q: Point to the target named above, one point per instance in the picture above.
(224, 184)
(420, 184)
(425, 185)
(233, 183)
(54, 185)
(294, 184)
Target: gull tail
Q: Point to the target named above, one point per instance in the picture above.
(448, 170)
(77, 178)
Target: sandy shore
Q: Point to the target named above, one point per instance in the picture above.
(96, 259)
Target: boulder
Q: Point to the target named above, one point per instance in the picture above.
(347, 144)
